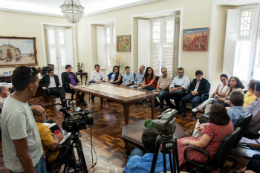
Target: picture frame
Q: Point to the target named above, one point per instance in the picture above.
(6, 73)
(17, 51)
(195, 40)
(123, 43)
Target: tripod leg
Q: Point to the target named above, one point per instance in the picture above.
(164, 158)
(176, 155)
(155, 157)
(82, 161)
(170, 158)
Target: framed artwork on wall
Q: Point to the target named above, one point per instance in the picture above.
(123, 43)
(195, 39)
(17, 51)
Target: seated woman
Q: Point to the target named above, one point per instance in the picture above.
(234, 84)
(211, 136)
(250, 97)
(114, 77)
(149, 82)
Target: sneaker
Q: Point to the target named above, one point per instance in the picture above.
(195, 109)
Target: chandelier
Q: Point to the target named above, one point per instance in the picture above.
(72, 10)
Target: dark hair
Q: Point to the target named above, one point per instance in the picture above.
(146, 75)
(163, 68)
(67, 66)
(239, 83)
(2, 88)
(180, 68)
(127, 67)
(198, 72)
(22, 76)
(49, 70)
(252, 84)
(96, 65)
(257, 86)
(224, 75)
(35, 112)
(115, 67)
(149, 140)
(237, 98)
(218, 115)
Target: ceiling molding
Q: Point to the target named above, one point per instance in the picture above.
(121, 7)
(86, 14)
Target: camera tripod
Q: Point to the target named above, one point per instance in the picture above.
(71, 155)
(168, 145)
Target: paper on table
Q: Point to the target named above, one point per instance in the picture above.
(49, 125)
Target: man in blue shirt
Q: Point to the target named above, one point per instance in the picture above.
(236, 112)
(139, 77)
(141, 163)
(179, 82)
(128, 78)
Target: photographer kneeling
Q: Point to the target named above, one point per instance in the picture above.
(140, 162)
(49, 140)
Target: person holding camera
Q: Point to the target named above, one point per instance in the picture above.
(211, 137)
(178, 86)
(22, 148)
(140, 162)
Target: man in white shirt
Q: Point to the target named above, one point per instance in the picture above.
(97, 76)
(51, 82)
(4, 93)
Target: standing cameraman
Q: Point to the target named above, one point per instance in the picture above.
(22, 148)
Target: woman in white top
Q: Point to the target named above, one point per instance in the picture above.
(220, 92)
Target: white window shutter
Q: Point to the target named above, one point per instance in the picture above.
(52, 51)
(101, 47)
(69, 47)
(168, 60)
(144, 42)
(230, 41)
(155, 56)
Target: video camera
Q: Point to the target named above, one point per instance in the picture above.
(71, 124)
(165, 123)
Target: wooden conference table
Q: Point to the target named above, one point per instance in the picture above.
(122, 94)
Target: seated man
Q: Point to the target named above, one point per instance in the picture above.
(51, 81)
(128, 77)
(178, 83)
(141, 163)
(4, 93)
(162, 87)
(236, 112)
(254, 110)
(49, 141)
(139, 77)
(198, 87)
(69, 78)
(97, 76)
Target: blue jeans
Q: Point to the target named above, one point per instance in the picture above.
(195, 100)
(92, 97)
(135, 152)
(39, 168)
(160, 98)
(150, 88)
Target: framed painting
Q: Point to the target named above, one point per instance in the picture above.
(17, 51)
(195, 39)
(123, 43)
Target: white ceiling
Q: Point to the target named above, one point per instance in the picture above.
(51, 7)
(242, 2)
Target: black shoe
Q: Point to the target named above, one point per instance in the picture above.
(83, 103)
(190, 132)
(136, 103)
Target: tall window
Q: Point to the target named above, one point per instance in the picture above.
(162, 43)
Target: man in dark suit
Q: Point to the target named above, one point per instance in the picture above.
(69, 78)
(198, 87)
(51, 81)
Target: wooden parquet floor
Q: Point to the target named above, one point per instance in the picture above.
(107, 132)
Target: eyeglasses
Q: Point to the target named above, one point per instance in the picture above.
(41, 114)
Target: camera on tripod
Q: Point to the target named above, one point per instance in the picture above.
(72, 124)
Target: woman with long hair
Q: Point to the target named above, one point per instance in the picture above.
(250, 97)
(114, 77)
(234, 84)
(220, 91)
(149, 82)
(212, 135)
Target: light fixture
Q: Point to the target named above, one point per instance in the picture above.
(72, 10)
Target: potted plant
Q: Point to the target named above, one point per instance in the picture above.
(80, 67)
(148, 124)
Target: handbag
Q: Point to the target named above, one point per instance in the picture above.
(179, 92)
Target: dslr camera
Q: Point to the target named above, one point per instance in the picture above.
(72, 124)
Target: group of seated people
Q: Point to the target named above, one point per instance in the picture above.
(25, 140)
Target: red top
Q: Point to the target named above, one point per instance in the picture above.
(149, 81)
